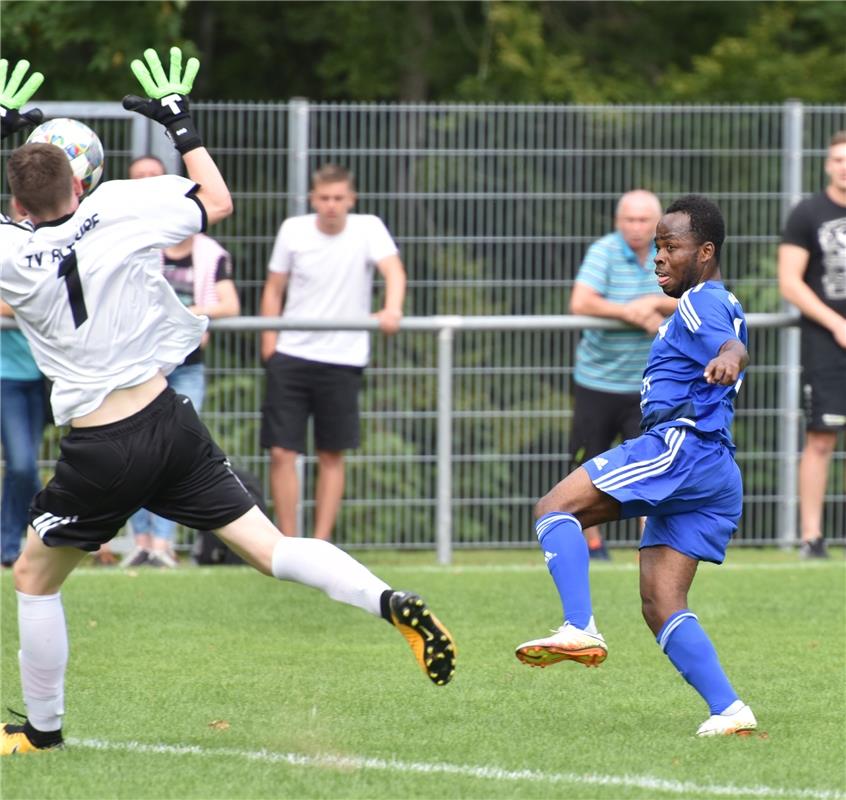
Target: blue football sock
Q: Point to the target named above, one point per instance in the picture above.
(566, 553)
(690, 650)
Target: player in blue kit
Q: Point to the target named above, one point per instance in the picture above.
(680, 473)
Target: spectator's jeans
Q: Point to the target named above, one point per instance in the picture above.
(189, 380)
(21, 426)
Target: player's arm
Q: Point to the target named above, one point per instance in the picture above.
(393, 272)
(792, 263)
(730, 361)
(271, 306)
(6, 309)
(13, 96)
(167, 103)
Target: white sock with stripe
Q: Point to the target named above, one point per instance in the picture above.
(43, 658)
(321, 565)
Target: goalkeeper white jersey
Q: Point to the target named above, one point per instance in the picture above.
(89, 295)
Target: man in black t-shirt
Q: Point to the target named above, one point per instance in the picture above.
(812, 276)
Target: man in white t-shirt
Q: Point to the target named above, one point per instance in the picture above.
(322, 264)
(105, 327)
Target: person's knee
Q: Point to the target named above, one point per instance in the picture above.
(820, 444)
(24, 574)
(281, 458)
(21, 473)
(649, 608)
(328, 459)
(658, 604)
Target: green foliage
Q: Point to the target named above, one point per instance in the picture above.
(789, 51)
(520, 51)
(84, 47)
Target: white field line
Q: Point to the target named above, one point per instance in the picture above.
(352, 762)
(458, 569)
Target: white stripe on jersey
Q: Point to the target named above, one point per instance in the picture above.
(631, 473)
(688, 313)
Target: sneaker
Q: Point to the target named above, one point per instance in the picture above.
(736, 719)
(599, 552)
(431, 643)
(19, 739)
(161, 558)
(566, 643)
(813, 548)
(136, 557)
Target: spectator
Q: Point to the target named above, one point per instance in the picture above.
(200, 272)
(325, 262)
(23, 402)
(616, 280)
(812, 276)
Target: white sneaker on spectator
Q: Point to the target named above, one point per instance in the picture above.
(136, 557)
(162, 558)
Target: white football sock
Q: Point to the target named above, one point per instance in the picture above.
(43, 658)
(321, 565)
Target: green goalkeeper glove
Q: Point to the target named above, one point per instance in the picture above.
(168, 100)
(13, 96)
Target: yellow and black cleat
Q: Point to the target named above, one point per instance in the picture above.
(430, 641)
(16, 739)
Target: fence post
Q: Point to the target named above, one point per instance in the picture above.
(444, 458)
(298, 205)
(789, 338)
(297, 156)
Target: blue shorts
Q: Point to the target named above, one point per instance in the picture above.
(689, 487)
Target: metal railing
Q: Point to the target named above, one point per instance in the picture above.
(451, 507)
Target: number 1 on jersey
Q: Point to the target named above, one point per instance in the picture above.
(68, 270)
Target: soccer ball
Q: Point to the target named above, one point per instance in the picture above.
(81, 145)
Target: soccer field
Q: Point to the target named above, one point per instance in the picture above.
(217, 683)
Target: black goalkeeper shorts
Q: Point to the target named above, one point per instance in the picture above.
(162, 458)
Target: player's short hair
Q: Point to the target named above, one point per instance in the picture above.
(40, 177)
(332, 173)
(706, 219)
(838, 138)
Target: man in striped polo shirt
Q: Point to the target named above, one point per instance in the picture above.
(616, 279)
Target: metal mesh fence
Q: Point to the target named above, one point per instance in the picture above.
(493, 208)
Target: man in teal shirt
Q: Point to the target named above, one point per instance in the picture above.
(615, 280)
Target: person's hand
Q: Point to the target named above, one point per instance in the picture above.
(389, 321)
(267, 351)
(652, 323)
(725, 369)
(167, 96)
(641, 313)
(839, 333)
(13, 96)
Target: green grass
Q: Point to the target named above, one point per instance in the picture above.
(272, 685)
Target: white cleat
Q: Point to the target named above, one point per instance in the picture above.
(736, 719)
(568, 643)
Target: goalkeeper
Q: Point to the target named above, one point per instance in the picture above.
(133, 442)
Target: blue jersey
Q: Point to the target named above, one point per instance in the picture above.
(674, 390)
